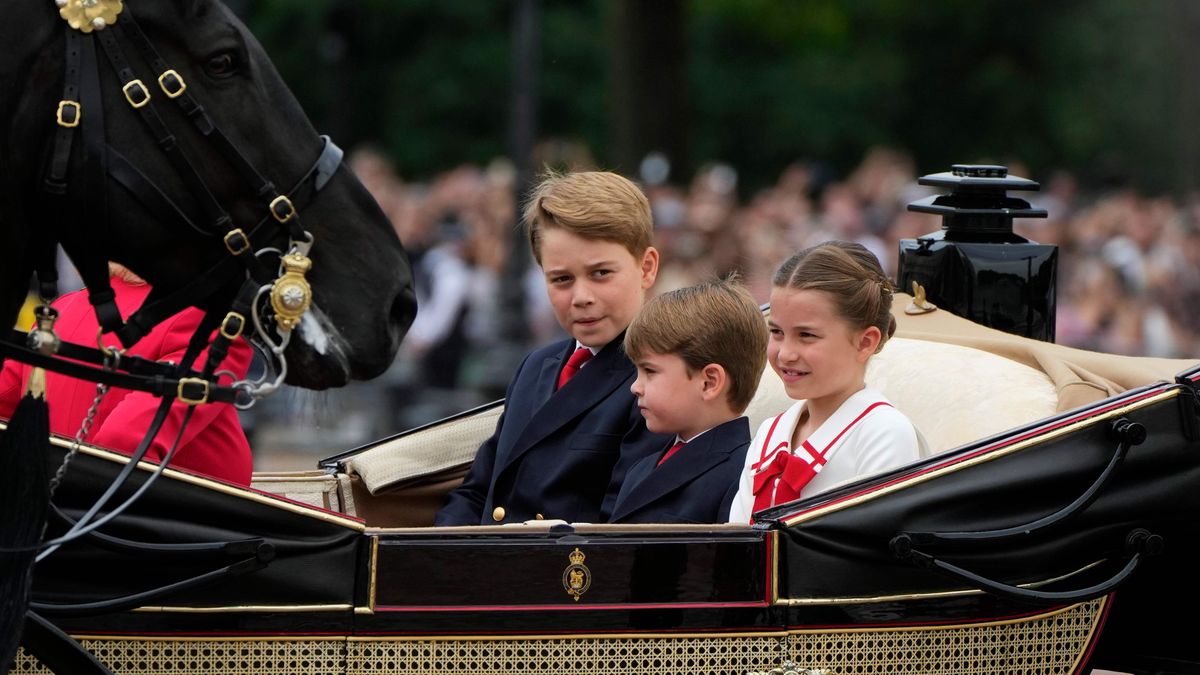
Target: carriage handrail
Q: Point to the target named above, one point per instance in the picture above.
(262, 557)
(1128, 434)
(1141, 542)
(234, 547)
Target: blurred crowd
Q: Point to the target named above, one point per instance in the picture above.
(1129, 265)
(1128, 278)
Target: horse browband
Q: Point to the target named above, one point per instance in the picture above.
(81, 94)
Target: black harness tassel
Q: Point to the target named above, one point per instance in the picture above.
(24, 503)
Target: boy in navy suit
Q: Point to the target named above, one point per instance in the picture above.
(570, 428)
(699, 353)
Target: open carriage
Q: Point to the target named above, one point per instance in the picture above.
(1053, 530)
(1046, 534)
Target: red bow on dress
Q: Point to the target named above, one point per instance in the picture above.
(792, 472)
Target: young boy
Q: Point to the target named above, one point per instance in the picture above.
(570, 427)
(699, 353)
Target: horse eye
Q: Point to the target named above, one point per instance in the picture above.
(222, 65)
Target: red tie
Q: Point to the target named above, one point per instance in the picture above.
(574, 363)
(667, 455)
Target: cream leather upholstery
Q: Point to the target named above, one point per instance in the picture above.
(952, 394)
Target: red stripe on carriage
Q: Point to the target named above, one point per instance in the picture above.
(1087, 655)
(568, 608)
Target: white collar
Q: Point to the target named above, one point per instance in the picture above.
(680, 439)
(594, 350)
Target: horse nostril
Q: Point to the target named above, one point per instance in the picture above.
(403, 310)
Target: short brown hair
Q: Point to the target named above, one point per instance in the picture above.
(846, 270)
(711, 322)
(589, 204)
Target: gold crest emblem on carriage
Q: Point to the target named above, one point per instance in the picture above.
(577, 578)
(88, 15)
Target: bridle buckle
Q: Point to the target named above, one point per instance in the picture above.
(237, 242)
(192, 391)
(231, 332)
(136, 93)
(282, 209)
(71, 120)
(172, 83)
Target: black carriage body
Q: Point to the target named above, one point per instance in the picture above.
(816, 582)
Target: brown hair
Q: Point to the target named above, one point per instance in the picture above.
(712, 322)
(862, 293)
(589, 204)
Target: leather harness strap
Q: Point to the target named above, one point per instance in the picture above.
(84, 198)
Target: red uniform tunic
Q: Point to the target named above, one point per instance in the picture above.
(213, 443)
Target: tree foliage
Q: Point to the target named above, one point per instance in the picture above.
(1105, 87)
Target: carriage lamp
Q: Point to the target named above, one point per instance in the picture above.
(291, 295)
(976, 266)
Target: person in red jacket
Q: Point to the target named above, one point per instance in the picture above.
(213, 444)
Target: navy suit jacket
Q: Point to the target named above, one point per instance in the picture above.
(696, 485)
(557, 454)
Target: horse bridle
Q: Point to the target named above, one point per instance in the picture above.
(111, 23)
(290, 296)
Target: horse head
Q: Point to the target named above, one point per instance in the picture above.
(362, 291)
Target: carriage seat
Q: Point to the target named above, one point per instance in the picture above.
(953, 394)
(957, 381)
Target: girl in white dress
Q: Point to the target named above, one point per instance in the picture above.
(830, 312)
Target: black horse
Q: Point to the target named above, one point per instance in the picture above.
(157, 162)
(361, 280)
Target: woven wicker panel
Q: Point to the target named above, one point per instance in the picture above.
(209, 657)
(577, 656)
(1051, 643)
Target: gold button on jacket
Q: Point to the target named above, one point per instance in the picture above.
(498, 514)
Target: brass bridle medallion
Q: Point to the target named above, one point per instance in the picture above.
(86, 16)
(291, 295)
(577, 578)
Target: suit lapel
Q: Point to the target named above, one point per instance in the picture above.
(592, 384)
(692, 460)
(548, 377)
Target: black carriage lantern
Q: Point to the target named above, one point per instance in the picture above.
(976, 266)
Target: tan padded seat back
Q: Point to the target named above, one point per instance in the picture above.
(315, 488)
(430, 452)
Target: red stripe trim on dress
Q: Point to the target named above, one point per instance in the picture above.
(856, 419)
(767, 441)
